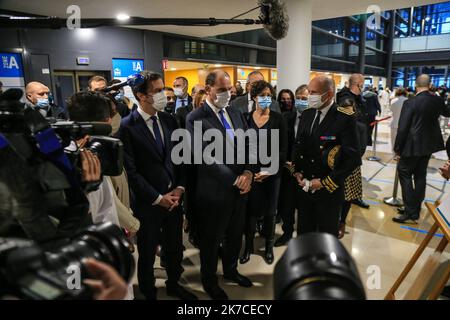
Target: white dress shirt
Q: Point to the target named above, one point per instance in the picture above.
(149, 122)
(225, 113)
(250, 103)
(324, 112)
(297, 121)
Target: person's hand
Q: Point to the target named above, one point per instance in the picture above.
(169, 201)
(316, 184)
(261, 176)
(299, 178)
(90, 166)
(177, 192)
(244, 182)
(106, 283)
(396, 157)
(445, 170)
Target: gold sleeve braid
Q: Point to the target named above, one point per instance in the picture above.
(329, 184)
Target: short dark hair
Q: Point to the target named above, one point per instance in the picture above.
(258, 87)
(168, 89)
(88, 106)
(212, 77)
(401, 92)
(96, 79)
(347, 103)
(184, 80)
(149, 77)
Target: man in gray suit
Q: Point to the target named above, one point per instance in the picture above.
(245, 104)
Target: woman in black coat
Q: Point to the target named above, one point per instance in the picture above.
(263, 198)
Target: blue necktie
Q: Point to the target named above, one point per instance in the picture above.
(226, 125)
(157, 133)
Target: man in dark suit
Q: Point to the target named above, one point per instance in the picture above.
(354, 92)
(288, 200)
(373, 108)
(221, 189)
(157, 185)
(245, 104)
(418, 137)
(180, 88)
(325, 153)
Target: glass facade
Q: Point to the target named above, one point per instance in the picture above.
(337, 44)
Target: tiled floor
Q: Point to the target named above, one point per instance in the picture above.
(372, 239)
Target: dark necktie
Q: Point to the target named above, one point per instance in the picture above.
(316, 122)
(157, 133)
(183, 103)
(226, 125)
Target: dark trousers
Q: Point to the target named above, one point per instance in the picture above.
(220, 224)
(412, 173)
(320, 212)
(345, 210)
(159, 227)
(288, 201)
(370, 118)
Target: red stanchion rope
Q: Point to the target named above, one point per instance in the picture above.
(376, 121)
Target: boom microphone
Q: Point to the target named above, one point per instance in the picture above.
(274, 18)
(132, 81)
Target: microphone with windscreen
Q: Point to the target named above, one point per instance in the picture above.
(133, 80)
(274, 18)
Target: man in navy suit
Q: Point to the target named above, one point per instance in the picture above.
(156, 184)
(221, 189)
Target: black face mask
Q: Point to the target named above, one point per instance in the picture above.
(286, 105)
(170, 107)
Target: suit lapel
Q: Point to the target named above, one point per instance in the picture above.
(145, 132)
(212, 118)
(327, 120)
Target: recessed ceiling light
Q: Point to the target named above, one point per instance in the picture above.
(173, 69)
(257, 68)
(217, 65)
(122, 16)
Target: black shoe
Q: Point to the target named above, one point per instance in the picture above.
(361, 203)
(403, 218)
(239, 279)
(180, 292)
(283, 240)
(216, 293)
(401, 210)
(268, 254)
(245, 257)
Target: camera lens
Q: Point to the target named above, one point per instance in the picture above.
(316, 266)
(104, 242)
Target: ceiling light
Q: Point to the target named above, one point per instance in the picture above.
(427, 19)
(122, 17)
(173, 69)
(217, 65)
(257, 68)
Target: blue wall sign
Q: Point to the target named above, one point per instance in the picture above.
(11, 70)
(123, 68)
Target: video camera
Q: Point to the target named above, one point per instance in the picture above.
(29, 271)
(51, 136)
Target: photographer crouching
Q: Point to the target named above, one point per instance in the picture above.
(43, 188)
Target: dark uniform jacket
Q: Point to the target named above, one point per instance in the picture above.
(332, 153)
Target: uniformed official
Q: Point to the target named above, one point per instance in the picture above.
(325, 153)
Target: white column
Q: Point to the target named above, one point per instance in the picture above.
(376, 81)
(294, 51)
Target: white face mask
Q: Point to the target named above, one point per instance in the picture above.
(222, 99)
(159, 101)
(315, 100)
(178, 92)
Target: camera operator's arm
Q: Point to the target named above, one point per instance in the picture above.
(137, 183)
(106, 283)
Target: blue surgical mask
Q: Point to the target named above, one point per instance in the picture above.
(301, 105)
(42, 103)
(264, 102)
